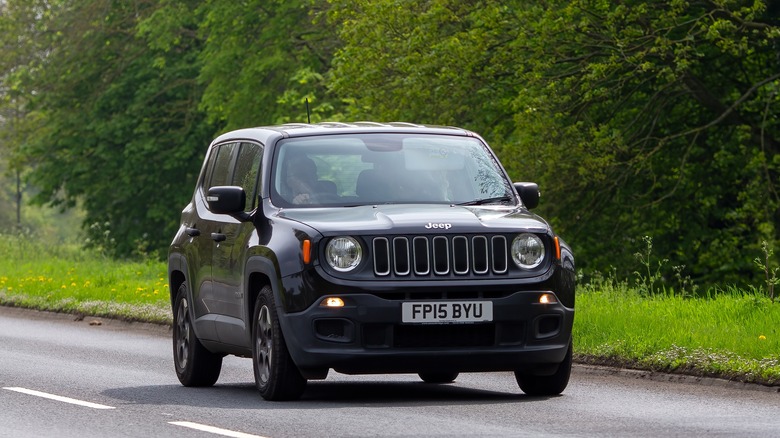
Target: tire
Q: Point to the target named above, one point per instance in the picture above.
(439, 376)
(276, 376)
(195, 366)
(547, 385)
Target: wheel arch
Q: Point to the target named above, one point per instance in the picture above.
(261, 272)
(255, 283)
(177, 268)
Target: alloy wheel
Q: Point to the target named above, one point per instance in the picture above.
(182, 334)
(264, 340)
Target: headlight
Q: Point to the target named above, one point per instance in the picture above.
(528, 251)
(343, 253)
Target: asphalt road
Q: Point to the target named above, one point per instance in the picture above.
(66, 378)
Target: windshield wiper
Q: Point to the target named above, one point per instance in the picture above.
(487, 200)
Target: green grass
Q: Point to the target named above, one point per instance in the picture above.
(732, 334)
(66, 278)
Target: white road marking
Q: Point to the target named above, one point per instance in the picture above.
(60, 398)
(214, 430)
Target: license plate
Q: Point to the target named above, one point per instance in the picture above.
(446, 312)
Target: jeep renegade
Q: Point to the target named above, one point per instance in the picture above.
(367, 248)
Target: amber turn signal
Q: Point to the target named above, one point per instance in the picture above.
(306, 249)
(332, 302)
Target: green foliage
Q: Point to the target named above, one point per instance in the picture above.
(119, 125)
(647, 279)
(662, 135)
(7, 195)
(770, 273)
(637, 118)
(441, 62)
(125, 97)
(650, 278)
(262, 59)
(22, 42)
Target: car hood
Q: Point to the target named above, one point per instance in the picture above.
(416, 219)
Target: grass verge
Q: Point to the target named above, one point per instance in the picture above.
(733, 334)
(66, 278)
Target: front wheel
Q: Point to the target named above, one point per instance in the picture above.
(276, 376)
(195, 366)
(547, 385)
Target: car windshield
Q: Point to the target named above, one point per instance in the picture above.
(360, 169)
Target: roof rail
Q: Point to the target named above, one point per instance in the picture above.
(411, 125)
(363, 123)
(335, 124)
(367, 123)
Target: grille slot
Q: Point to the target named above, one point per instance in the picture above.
(422, 262)
(500, 254)
(460, 255)
(457, 255)
(479, 245)
(441, 257)
(381, 256)
(401, 260)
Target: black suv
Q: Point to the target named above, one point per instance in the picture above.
(367, 248)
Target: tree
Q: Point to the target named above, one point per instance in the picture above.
(129, 93)
(263, 59)
(637, 118)
(665, 114)
(439, 62)
(120, 126)
(23, 37)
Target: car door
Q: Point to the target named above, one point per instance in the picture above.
(231, 239)
(201, 230)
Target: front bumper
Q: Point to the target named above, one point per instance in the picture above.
(367, 336)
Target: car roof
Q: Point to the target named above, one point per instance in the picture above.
(265, 133)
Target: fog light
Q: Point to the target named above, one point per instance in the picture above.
(547, 299)
(332, 302)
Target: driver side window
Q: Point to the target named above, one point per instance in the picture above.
(247, 168)
(221, 173)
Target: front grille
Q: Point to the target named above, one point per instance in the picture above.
(422, 256)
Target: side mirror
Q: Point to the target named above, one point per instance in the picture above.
(226, 200)
(529, 193)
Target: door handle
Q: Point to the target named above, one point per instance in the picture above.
(218, 237)
(192, 232)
